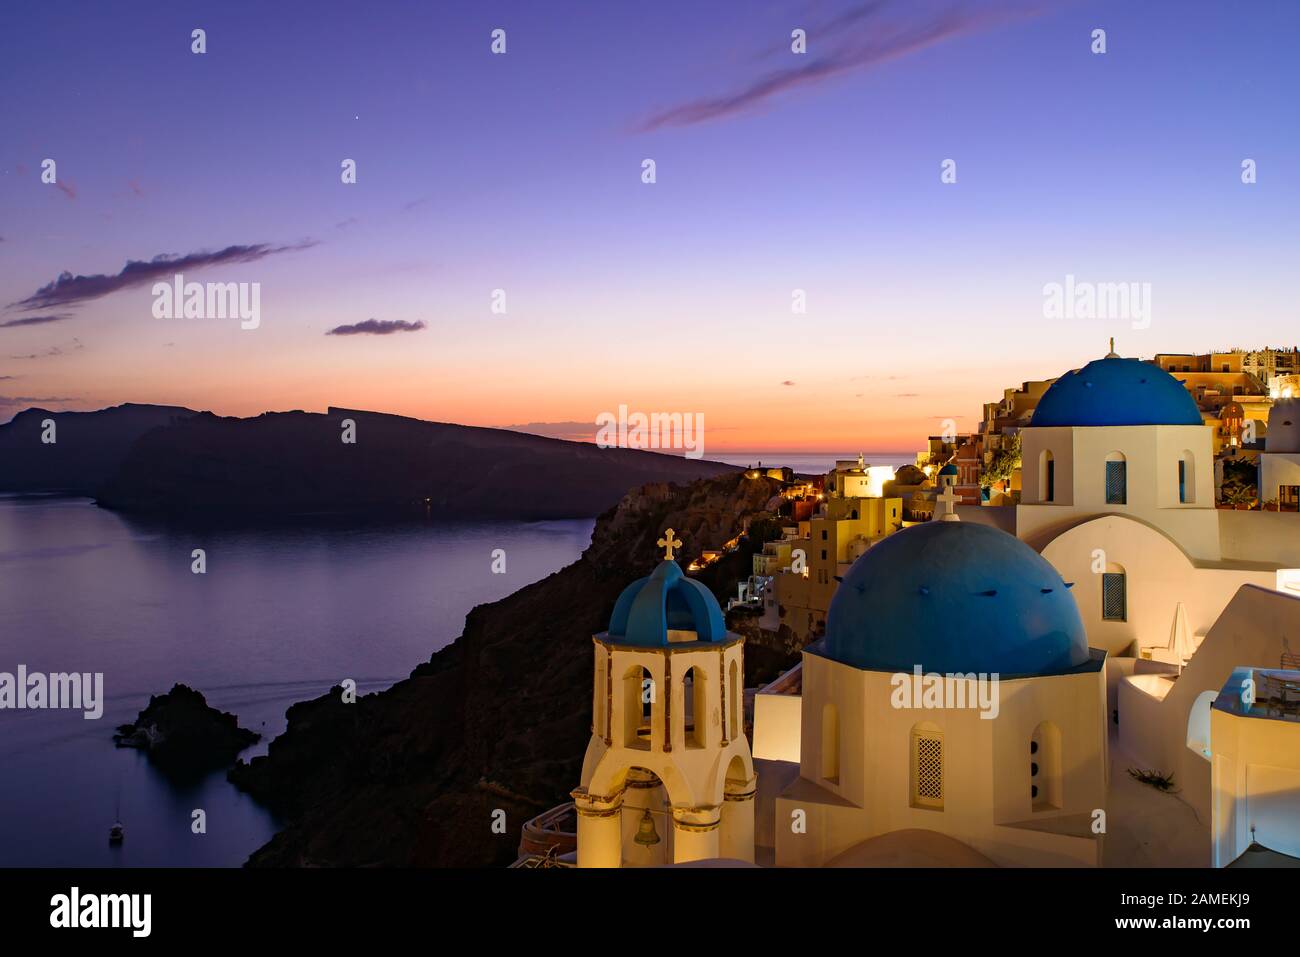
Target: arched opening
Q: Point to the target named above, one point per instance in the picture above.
(735, 701)
(1116, 479)
(1046, 476)
(927, 766)
(831, 743)
(1198, 724)
(639, 694)
(1114, 593)
(695, 688)
(1186, 478)
(1045, 767)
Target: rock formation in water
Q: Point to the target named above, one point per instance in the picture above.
(181, 734)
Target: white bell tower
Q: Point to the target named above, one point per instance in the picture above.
(668, 776)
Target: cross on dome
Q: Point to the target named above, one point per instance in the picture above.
(668, 543)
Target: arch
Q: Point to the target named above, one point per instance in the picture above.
(1114, 593)
(1198, 724)
(639, 703)
(831, 742)
(1116, 478)
(1046, 476)
(1045, 767)
(927, 766)
(1186, 477)
(695, 696)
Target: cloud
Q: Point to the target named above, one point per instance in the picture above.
(377, 327)
(859, 39)
(350, 221)
(8, 401)
(36, 320)
(69, 189)
(70, 290)
(135, 187)
(73, 346)
(788, 382)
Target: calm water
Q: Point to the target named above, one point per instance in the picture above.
(281, 615)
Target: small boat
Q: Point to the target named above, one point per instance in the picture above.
(116, 833)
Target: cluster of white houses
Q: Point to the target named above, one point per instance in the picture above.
(974, 675)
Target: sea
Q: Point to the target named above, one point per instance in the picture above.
(280, 614)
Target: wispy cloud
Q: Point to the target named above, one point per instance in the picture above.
(788, 382)
(377, 327)
(36, 320)
(52, 351)
(856, 40)
(69, 189)
(70, 290)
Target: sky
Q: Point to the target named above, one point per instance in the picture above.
(775, 171)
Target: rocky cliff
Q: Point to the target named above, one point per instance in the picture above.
(498, 720)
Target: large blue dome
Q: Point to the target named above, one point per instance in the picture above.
(955, 597)
(663, 602)
(1115, 391)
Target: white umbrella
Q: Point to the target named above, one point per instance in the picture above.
(1180, 639)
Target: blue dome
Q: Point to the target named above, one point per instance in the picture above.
(955, 597)
(948, 469)
(1116, 392)
(651, 607)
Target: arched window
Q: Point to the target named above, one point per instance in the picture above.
(1114, 593)
(927, 766)
(1116, 479)
(695, 688)
(1186, 478)
(639, 700)
(1046, 477)
(1045, 767)
(831, 743)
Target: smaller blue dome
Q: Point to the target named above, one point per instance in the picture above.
(1115, 391)
(651, 607)
(948, 469)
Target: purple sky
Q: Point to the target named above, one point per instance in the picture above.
(522, 172)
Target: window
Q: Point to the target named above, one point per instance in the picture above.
(1047, 476)
(1114, 601)
(1186, 478)
(927, 767)
(1116, 479)
(823, 554)
(823, 539)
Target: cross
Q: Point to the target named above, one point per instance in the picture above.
(668, 543)
(949, 500)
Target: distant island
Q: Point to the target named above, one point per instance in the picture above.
(176, 461)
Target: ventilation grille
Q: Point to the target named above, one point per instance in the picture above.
(928, 758)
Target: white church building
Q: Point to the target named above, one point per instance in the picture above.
(971, 687)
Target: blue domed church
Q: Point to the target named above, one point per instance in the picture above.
(953, 714)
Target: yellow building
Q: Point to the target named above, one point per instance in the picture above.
(830, 542)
